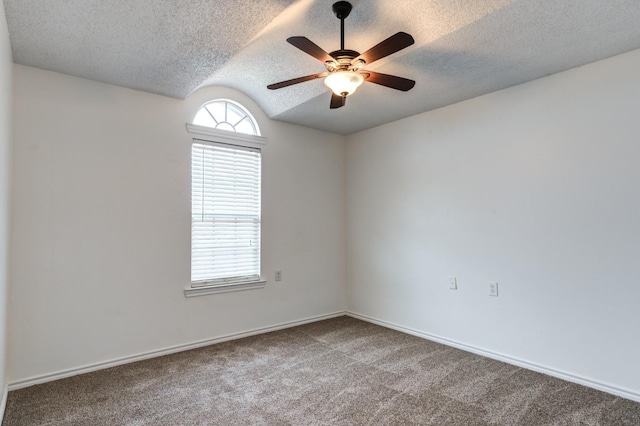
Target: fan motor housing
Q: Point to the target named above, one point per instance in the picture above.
(343, 60)
(344, 54)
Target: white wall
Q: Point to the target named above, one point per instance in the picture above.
(535, 187)
(101, 225)
(6, 64)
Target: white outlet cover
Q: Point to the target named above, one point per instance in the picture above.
(493, 289)
(453, 283)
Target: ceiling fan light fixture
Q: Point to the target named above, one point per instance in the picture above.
(344, 83)
(344, 67)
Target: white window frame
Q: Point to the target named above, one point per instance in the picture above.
(208, 134)
(223, 120)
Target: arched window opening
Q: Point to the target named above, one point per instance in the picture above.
(227, 115)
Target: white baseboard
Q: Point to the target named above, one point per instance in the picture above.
(615, 390)
(3, 403)
(160, 352)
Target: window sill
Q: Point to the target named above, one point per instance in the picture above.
(223, 288)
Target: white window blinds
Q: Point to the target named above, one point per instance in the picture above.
(225, 213)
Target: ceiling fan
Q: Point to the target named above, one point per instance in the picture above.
(344, 73)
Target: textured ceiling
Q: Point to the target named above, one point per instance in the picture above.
(464, 48)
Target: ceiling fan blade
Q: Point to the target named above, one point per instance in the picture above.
(293, 81)
(386, 47)
(310, 48)
(337, 101)
(392, 81)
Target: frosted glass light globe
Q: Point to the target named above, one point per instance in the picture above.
(343, 83)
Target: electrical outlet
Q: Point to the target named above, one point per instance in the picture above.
(278, 275)
(453, 283)
(493, 289)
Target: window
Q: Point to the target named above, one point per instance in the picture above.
(223, 114)
(225, 201)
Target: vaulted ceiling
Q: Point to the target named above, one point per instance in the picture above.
(463, 49)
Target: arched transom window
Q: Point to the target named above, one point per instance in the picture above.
(226, 115)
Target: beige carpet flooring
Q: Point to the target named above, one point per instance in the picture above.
(335, 372)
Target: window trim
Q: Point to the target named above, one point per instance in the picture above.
(226, 136)
(203, 290)
(243, 140)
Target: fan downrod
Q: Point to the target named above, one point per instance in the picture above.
(342, 9)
